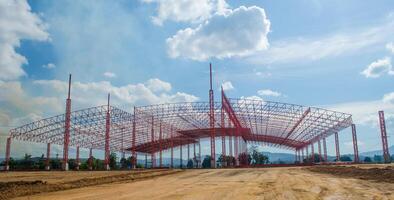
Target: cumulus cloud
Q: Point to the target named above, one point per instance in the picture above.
(89, 94)
(17, 23)
(268, 92)
(49, 66)
(185, 10)
(109, 74)
(390, 47)
(237, 32)
(227, 85)
(378, 68)
(157, 85)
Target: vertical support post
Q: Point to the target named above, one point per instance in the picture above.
(319, 145)
(160, 147)
(230, 139)
(47, 161)
(355, 146)
(107, 130)
(236, 147)
(180, 157)
(133, 153)
(153, 158)
(194, 152)
(307, 153)
(313, 153)
(77, 159)
(386, 153)
(296, 156)
(188, 153)
(90, 159)
(122, 147)
(223, 132)
(146, 161)
(67, 124)
(7, 154)
(199, 153)
(338, 154)
(325, 150)
(212, 119)
(172, 148)
(302, 155)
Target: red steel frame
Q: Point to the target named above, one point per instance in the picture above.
(355, 146)
(111, 129)
(338, 154)
(382, 123)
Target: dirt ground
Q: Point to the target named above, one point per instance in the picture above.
(327, 182)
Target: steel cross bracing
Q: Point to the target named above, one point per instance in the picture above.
(276, 124)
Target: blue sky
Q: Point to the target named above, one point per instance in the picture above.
(333, 54)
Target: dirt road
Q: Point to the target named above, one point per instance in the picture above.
(269, 183)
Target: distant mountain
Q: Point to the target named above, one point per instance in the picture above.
(377, 152)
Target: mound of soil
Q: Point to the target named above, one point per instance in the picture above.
(377, 174)
(13, 189)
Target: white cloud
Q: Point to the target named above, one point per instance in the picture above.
(366, 112)
(154, 91)
(268, 92)
(227, 86)
(49, 66)
(17, 23)
(237, 32)
(378, 68)
(109, 74)
(306, 49)
(157, 85)
(185, 10)
(390, 47)
(264, 75)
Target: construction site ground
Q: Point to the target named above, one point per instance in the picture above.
(317, 182)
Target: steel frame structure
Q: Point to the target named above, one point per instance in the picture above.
(154, 129)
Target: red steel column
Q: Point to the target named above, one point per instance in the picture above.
(90, 159)
(302, 155)
(180, 157)
(230, 139)
(307, 153)
(194, 151)
(223, 132)
(133, 153)
(313, 153)
(7, 154)
(77, 159)
(355, 146)
(188, 153)
(337, 147)
(212, 119)
(199, 153)
(325, 150)
(67, 124)
(47, 162)
(107, 130)
(172, 148)
(236, 141)
(160, 147)
(295, 156)
(153, 158)
(386, 153)
(319, 145)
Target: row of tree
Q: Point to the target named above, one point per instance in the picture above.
(39, 163)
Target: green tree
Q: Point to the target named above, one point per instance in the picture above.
(206, 163)
(189, 164)
(112, 161)
(123, 163)
(345, 158)
(367, 159)
(245, 158)
(378, 158)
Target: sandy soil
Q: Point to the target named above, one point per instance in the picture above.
(267, 183)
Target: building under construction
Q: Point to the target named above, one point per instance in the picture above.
(156, 129)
